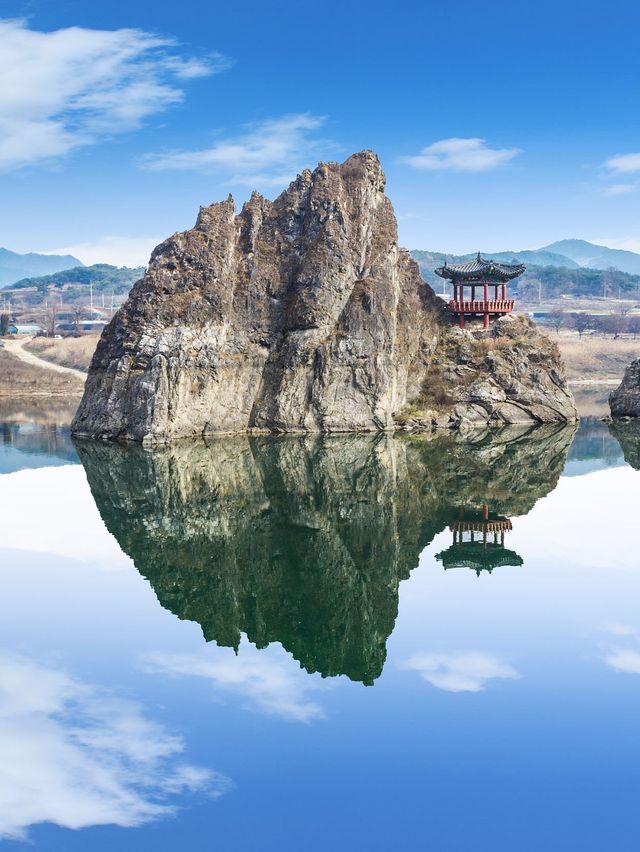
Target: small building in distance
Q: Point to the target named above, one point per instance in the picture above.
(480, 274)
(30, 328)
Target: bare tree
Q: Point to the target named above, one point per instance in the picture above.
(556, 319)
(5, 319)
(78, 314)
(619, 319)
(633, 325)
(581, 322)
(50, 318)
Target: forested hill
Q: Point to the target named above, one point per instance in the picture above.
(102, 276)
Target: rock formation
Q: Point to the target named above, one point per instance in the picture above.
(302, 314)
(303, 540)
(624, 401)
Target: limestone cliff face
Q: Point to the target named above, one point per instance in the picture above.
(300, 314)
(625, 399)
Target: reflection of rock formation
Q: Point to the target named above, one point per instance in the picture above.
(304, 540)
(478, 542)
(628, 434)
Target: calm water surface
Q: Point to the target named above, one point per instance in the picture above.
(313, 644)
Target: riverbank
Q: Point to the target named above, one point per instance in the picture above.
(595, 360)
(21, 377)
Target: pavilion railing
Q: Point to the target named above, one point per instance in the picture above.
(493, 306)
(481, 526)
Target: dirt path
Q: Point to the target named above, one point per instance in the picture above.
(16, 347)
(586, 382)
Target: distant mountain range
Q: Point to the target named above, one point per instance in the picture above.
(596, 257)
(565, 254)
(14, 266)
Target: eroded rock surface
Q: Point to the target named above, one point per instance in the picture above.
(625, 399)
(302, 314)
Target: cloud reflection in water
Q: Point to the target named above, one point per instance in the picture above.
(269, 684)
(460, 671)
(78, 757)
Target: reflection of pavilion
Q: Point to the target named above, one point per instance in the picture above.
(478, 542)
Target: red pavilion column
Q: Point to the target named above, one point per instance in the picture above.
(504, 291)
(485, 319)
(461, 291)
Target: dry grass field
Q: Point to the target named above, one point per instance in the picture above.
(73, 352)
(594, 359)
(18, 379)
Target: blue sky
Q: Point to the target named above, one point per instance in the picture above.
(499, 124)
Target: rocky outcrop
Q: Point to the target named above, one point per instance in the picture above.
(624, 401)
(507, 374)
(302, 314)
(304, 540)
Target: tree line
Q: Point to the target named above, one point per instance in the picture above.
(621, 321)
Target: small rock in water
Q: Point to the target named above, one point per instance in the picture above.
(624, 401)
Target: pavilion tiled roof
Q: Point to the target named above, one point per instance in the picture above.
(478, 556)
(480, 269)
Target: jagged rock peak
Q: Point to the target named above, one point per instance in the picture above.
(624, 401)
(298, 314)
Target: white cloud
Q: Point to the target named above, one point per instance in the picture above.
(619, 189)
(269, 685)
(460, 671)
(67, 88)
(623, 164)
(76, 757)
(624, 661)
(269, 153)
(460, 155)
(69, 527)
(619, 629)
(117, 250)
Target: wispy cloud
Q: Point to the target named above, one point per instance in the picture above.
(266, 154)
(628, 243)
(617, 628)
(619, 189)
(266, 683)
(118, 250)
(72, 87)
(460, 155)
(77, 757)
(627, 661)
(461, 671)
(623, 164)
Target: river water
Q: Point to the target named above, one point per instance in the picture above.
(320, 643)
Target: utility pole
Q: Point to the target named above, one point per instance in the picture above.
(91, 296)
